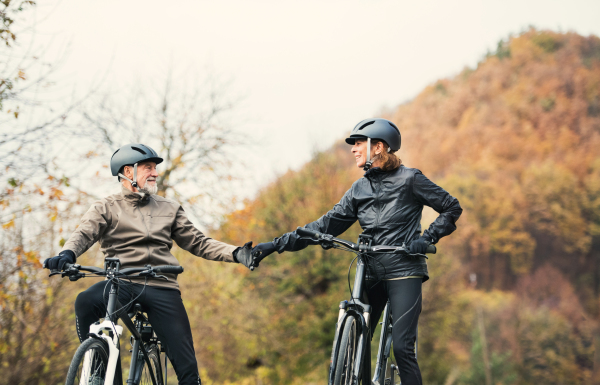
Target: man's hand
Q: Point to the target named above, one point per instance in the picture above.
(419, 245)
(243, 255)
(58, 262)
(261, 251)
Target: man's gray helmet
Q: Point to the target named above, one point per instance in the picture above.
(132, 154)
(377, 128)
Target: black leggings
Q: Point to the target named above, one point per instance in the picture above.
(165, 311)
(405, 301)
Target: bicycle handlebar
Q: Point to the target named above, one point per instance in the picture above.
(322, 238)
(167, 269)
(304, 232)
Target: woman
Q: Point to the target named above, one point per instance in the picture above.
(388, 202)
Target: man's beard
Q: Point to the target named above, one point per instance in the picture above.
(149, 188)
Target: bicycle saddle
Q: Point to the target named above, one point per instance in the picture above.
(134, 309)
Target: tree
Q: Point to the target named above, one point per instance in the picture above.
(188, 124)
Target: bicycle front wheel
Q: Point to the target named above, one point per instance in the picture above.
(144, 371)
(89, 363)
(346, 359)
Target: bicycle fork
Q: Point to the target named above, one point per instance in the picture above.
(96, 331)
(361, 312)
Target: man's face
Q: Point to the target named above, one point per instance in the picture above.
(146, 175)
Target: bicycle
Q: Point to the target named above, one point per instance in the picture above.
(350, 356)
(97, 361)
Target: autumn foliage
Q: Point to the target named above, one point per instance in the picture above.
(516, 141)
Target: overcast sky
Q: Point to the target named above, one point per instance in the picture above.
(308, 71)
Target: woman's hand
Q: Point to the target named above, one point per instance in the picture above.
(419, 245)
(261, 251)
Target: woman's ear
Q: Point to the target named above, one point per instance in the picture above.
(378, 148)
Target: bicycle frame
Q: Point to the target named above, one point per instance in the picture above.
(358, 309)
(112, 329)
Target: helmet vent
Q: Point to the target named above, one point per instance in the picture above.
(365, 125)
(395, 128)
(138, 150)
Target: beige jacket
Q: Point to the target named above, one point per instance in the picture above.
(141, 231)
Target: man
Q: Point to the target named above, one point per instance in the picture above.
(139, 228)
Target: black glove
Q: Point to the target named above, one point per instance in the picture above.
(261, 251)
(58, 262)
(419, 245)
(243, 255)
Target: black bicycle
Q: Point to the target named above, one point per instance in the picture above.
(97, 361)
(350, 356)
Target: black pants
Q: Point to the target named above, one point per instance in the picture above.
(165, 311)
(405, 302)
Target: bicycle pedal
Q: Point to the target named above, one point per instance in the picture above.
(388, 381)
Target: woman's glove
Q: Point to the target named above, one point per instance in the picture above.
(58, 262)
(419, 245)
(261, 251)
(243, 255)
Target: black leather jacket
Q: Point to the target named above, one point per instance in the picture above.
(388, 206)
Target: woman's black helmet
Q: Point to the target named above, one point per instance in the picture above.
(377, 128)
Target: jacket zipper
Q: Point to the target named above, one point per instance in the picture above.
(378, 206)
(147, 233)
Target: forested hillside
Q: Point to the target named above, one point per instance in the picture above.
(516, 141)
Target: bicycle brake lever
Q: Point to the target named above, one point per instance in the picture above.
(327, 245)
(76, 277)
(54, 272)
(419, 255)
(160, 277)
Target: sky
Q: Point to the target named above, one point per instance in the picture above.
(305, 72)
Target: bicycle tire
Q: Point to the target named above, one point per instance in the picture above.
(346, 359)
(96, 372)
(153, 355)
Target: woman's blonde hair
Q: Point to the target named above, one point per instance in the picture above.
(389, 161)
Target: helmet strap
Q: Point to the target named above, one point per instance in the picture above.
(134, 181)
(369, 161)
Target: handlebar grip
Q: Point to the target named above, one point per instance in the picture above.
(431, 249)
(304, 232)
(169, 269)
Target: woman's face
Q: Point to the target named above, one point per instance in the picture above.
(359, 150)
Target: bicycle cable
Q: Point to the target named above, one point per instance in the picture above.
(131, 301)
(349, 285)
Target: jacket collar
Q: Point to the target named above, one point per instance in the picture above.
(373, 172)
(377, 171)
(136, 198)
